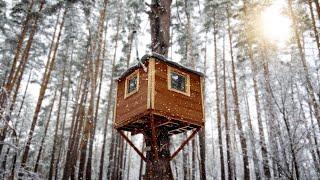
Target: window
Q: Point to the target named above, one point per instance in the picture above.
(178, 81)
(132, 84)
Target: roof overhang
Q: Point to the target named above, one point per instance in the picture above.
(159, 57)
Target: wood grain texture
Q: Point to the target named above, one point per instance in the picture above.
(177, 104)
(136, 103)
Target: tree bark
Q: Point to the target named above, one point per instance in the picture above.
(158, 166)
(159, 17)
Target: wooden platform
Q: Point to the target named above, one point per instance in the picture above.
(142, 122)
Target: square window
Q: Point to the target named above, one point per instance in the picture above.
(132, 84)
(178, 82)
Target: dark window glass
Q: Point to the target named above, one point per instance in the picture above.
(178, 82)
(132, 84)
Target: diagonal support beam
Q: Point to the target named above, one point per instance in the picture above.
(185, 142)
(132, 145)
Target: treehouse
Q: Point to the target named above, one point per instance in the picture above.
(164, 91)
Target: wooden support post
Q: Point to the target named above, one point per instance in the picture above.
(184, 143)
(132, 145)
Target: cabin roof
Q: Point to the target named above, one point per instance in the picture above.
(159, 57)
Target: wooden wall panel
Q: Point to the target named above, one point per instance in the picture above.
(176, 104)
(133, 105)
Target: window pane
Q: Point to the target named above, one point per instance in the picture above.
(178, 82)
(132, 84)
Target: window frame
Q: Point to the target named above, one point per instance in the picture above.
(128, 78)
(179, 72)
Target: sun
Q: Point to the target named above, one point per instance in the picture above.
(275, 26)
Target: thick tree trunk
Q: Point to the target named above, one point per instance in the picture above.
(158, 166)
(159, 17)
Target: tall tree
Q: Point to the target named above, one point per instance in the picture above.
(44, 84)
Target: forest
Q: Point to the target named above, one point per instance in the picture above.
(60, 61)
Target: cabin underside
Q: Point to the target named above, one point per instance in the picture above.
(173, 125)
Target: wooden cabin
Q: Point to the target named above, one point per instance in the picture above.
(161, 89)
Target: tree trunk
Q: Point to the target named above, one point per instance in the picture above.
(252, 139)
(159, 17)
(76, 109)
(185, 159)
(13, 76)
(43, 88)
(55, 139)
(61, 143)
(158, 166)
(76, 124)
(193, 162)
(308, 82)
(141, 163)
(111, 156)
(109, 105)
(234, 78)
(129, 163)
(216, 77)
(202, 133)
(45, 133)
(98, 71)
(314, 27)
(19, 44)
(317, 7)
